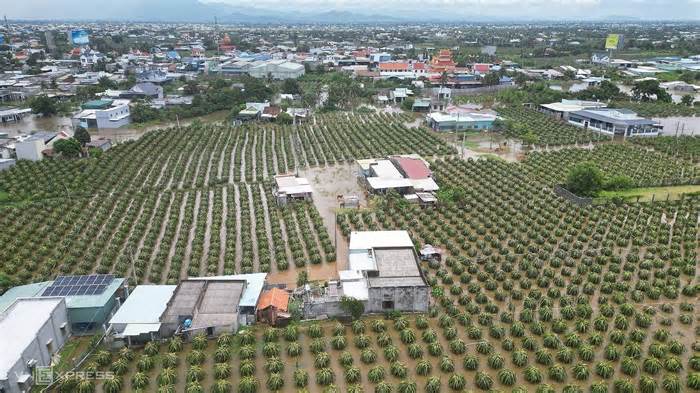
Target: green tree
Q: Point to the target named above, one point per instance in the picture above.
(618, 182)
(82, 136)
(69, 148)
(492, 79)
(290, 86)
(284, 118)
(352, 306)
(302, 278)
(407, 104)
(647, 89)
(584, 179)
(43, 105)
(687, 100)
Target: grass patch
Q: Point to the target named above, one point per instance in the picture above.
(646, 194)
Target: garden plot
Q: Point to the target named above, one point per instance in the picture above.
(475, 349)
(645, 168)
(528, 123)
(687, 147)
(188, 202)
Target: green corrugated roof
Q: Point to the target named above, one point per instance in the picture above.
(82, 301)
(97, 104)
(29, 290)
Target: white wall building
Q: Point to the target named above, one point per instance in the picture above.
(33, 331)
(115, 116)
(277, 69)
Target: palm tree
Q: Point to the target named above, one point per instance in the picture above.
(322, 360)
(246, 368)
(222, 370)
(353, 375)
(85, 385)
(195, 373)
(483, 381)
(382, 387)
(623, 386)
(471, 362)
(275, 382)
(345, 359)
(167, 376)
(200, 342)
(604, 369)
(506, 377)
(398, 370)
(456, 382)
(325, 376)
(194, 387)
(170, 360)
(222, 354)
(120, 367)
(415, 351)
(338, 342)
(533, 375)
(248, 385)
(671, 383)
(407, 386)
(139, 380)
(301, 378)
(294, 349)
(112, 384)
(151, 349)
(423, 367)
(647, 384)
(376, 374)
(433, 385)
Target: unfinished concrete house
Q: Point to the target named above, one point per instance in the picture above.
(212, 305)
(383, 273)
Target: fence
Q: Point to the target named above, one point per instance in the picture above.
(571, 197)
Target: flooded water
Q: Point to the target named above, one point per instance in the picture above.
(34, 123)
(679, 125)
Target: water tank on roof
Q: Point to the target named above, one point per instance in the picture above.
(187, 324)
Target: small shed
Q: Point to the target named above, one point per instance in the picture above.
(273, 306)
(291, 187)
(138, 319)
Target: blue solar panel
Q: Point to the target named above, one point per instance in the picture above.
(93, 284)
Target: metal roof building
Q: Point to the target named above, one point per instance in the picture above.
(33, 330)
(139, 316)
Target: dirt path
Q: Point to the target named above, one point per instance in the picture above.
(253, 232)
(243, 151)
(143, 237)
(264, 154)
(159, 239)
(207, 234)
(222, 231)
(193, 229)
(232, 164)
(239, 242)
(222, 155)
(214, 155)
(98, 261)
(268, 229)
(253, 158)
(176, 238)
(273, 151)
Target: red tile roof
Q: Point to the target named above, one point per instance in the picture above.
(413, 167)
(481, 67)
(275, 297)
(393, 66)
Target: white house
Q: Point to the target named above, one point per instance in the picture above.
(33, 331)
(277, 69)
(109, 114)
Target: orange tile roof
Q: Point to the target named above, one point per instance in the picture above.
(275, 297)
(393, 66)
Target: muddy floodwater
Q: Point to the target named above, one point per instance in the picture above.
(327, 182)
(34, 123)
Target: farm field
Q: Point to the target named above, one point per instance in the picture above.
(652, 193)
(535, 295)
(547, 131)
(687, 147)
(188, 202)
(580, 348)
(645, 168)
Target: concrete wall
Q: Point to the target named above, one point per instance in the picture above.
(107, 118)
(30, 150)
(330, 308)
(38, 349)
(404, 298)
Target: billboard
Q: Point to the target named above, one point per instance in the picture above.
(614, 41)
(79, 37)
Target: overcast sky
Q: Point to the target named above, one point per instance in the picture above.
(462, 9)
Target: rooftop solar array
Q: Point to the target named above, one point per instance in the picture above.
(93, 284)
